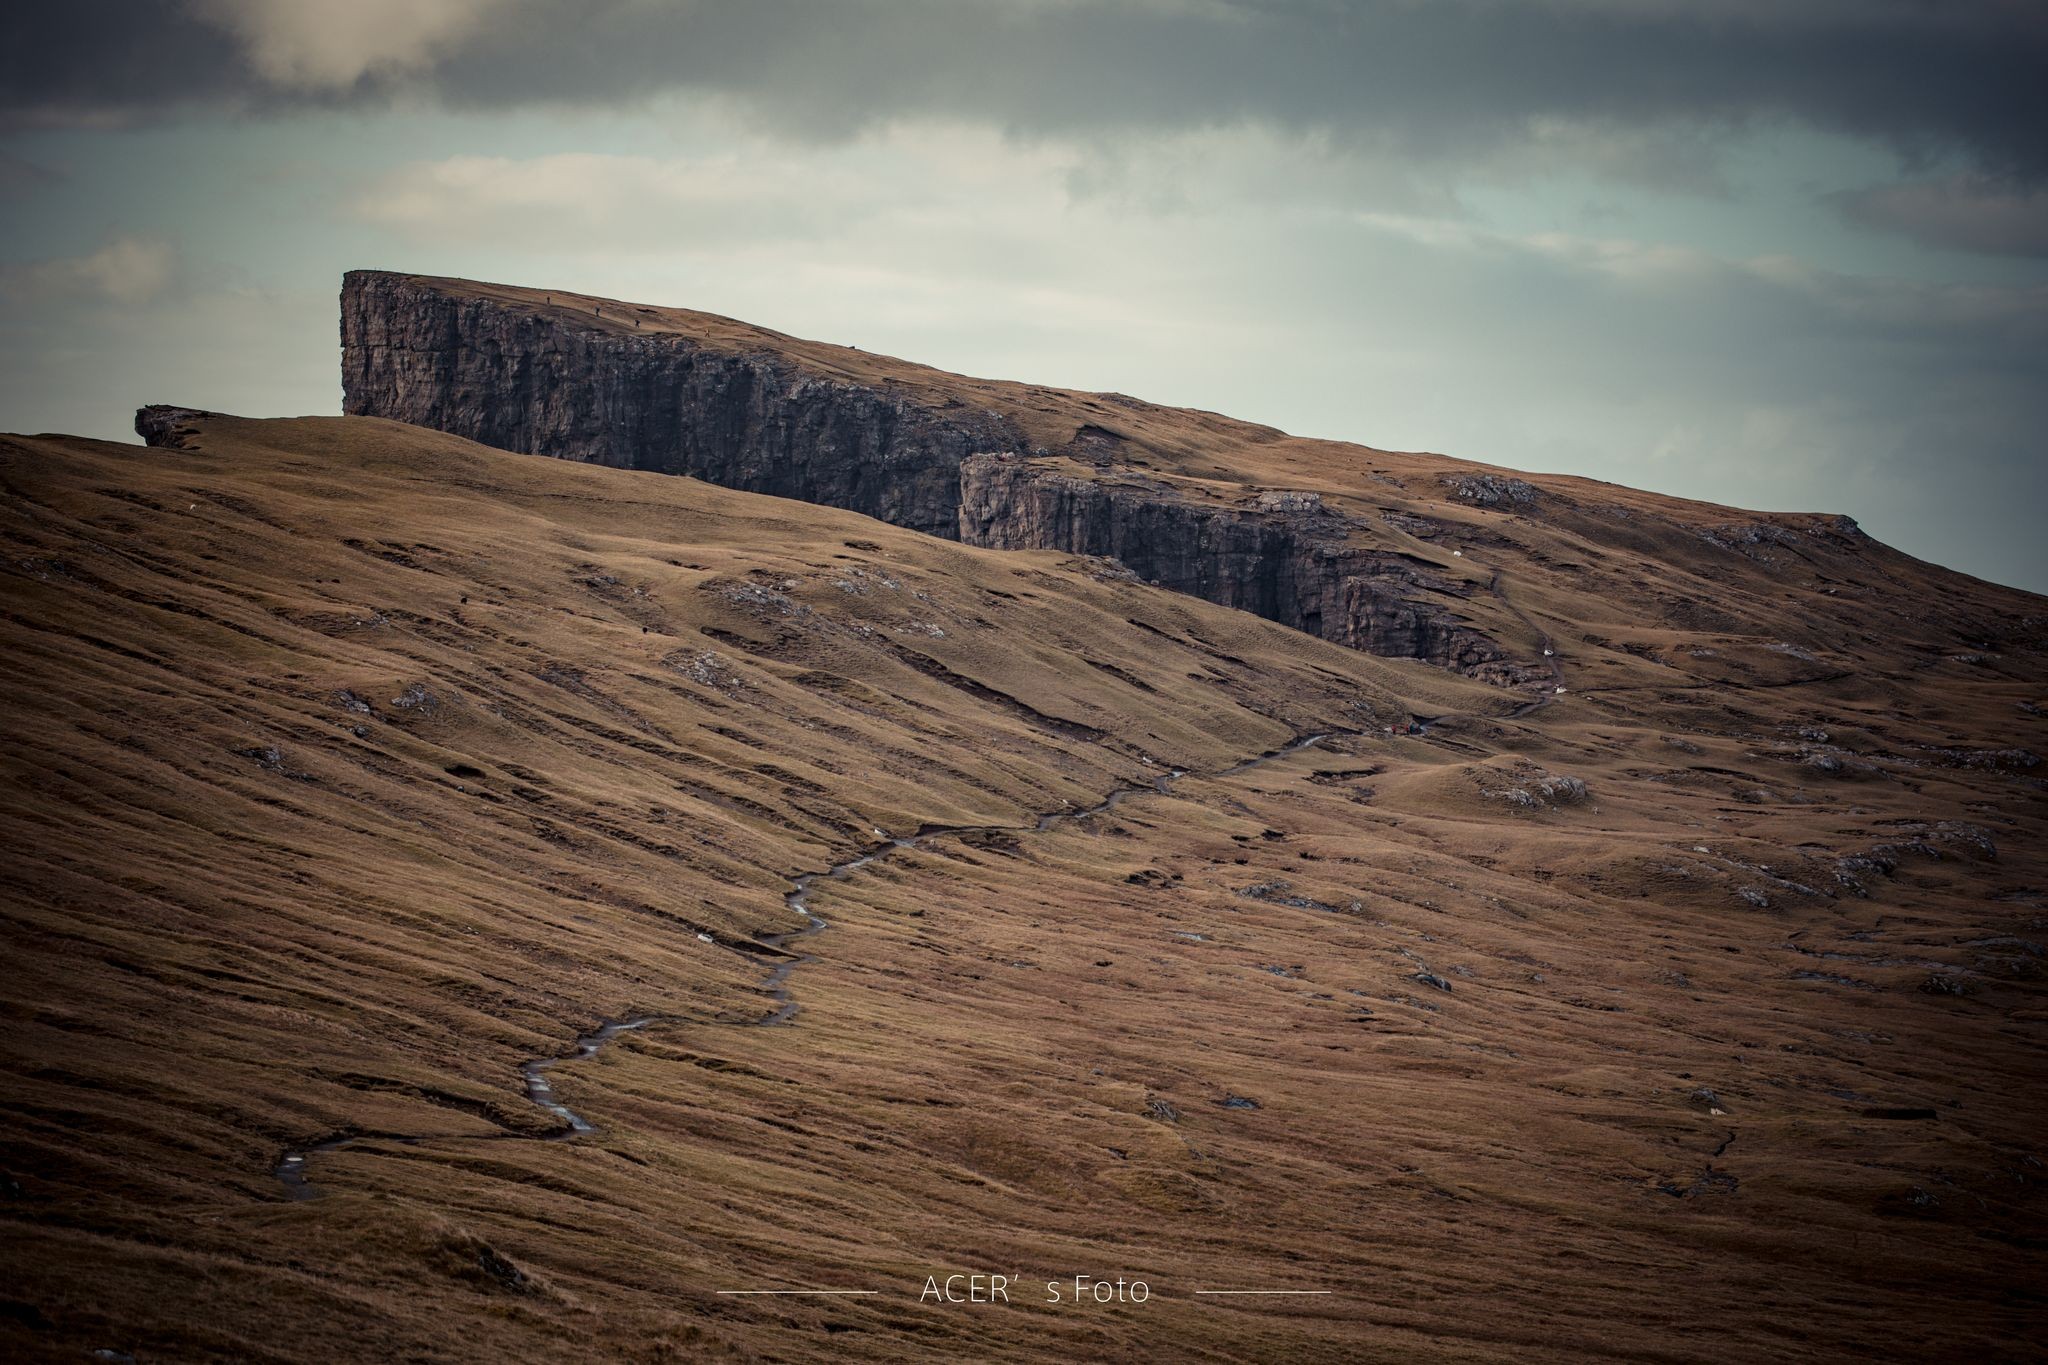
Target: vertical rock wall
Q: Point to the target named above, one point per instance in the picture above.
(1295, 565)
(525, 380)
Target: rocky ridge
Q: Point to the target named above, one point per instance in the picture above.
(1485, 571)
(526, 380)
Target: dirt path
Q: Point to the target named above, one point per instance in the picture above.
(291, 1168)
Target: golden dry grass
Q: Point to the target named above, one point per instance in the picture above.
(607, 712)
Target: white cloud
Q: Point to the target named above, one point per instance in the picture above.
(751, 192)
(127, 271)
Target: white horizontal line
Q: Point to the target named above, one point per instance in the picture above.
(799, 1291)
(1262, 1291)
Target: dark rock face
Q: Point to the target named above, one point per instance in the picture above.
(522, 380)
(1292, 565)
(527, 380)
(164, 427)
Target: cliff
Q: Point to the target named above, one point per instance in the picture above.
(1483, 570)
(1291, 564)
(545, 381)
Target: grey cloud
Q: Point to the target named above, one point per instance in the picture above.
(1962, 213)
(19, 178)
(1453, 76)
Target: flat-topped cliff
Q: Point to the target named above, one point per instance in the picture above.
(1484, 570)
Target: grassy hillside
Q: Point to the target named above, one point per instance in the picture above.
(350, 768)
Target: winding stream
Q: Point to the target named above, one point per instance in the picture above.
(1543, 642)
(291, 1169)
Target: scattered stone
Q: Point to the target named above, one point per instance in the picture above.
(1277, 501)
(1710, 1181)
(1541, 790)
(1280, 893)
(1491, 490)
(708, 667)
(1831, 979)
(1997, 760)
(268, 756)
(748, 594)
(1752, 539)
(1972, 839)
(501, 1271)
(417, 698)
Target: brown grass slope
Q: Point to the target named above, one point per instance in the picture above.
(350, 766)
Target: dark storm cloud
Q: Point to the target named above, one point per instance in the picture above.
(1447, 77)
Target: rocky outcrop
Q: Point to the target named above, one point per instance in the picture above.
(1490, 490)
(164, 427)
(558, 382)
(528, 380)
(1288, 560)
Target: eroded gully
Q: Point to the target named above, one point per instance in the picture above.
(291, 1168)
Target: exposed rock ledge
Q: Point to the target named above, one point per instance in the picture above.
(1295, 567)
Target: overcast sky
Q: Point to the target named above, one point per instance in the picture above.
(1784, 254)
